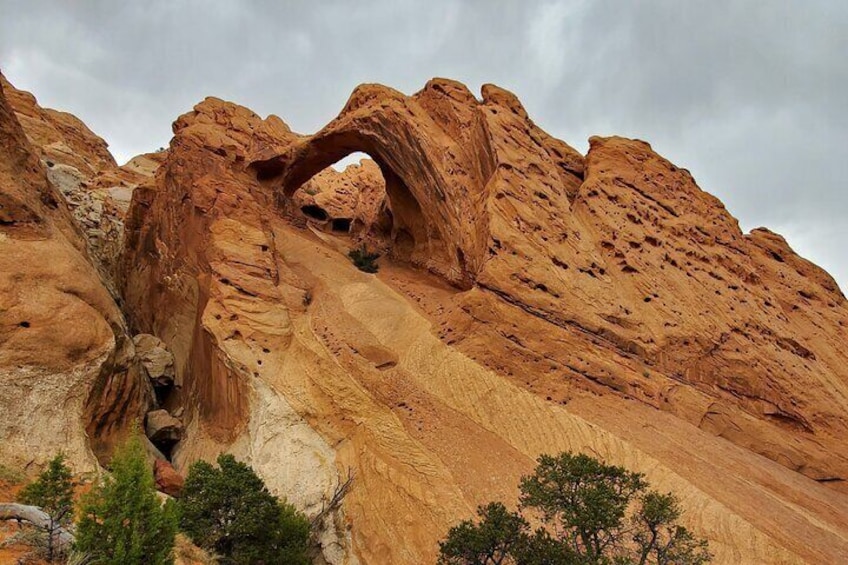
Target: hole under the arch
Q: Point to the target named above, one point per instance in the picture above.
(357, 194)
(354, 158)
(344, 196)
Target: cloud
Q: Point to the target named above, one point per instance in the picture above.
(752, 97)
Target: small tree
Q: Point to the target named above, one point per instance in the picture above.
(583, 499)
(659, 536)
(230, 512)
(53, 492)
(123, 521)
(583, 505)
(294, 531)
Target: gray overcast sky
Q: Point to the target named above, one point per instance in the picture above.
(750, 95)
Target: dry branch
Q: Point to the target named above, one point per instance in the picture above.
(38, 518)
(335, 501)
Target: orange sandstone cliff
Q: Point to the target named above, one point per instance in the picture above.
(69, 380)
(530, 299)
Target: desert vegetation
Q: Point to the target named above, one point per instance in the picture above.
(364, 260)
(586, 512)
(53, 494)
(225, 511)
(573, 510)
(229, 512)
(122, 521)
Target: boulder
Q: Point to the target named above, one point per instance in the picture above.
(167, 479)
(162, 428)
(157, 361)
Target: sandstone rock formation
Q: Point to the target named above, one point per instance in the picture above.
(350, 200)
(621, 248)
(167, 479)
(157, 361)
(79, 164)
(201, 274)
(600, 303)
(118, 184)
(532, 300)
(59, 137)
(427, 149)
(67, 369)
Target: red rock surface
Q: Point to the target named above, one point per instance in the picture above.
(344, 201)
(619, 252)
(66, 364)
(80, 166)
(425, 158)
(201, 174)
(58, 136)
(167, 479)
(600, 303)
(529, 300)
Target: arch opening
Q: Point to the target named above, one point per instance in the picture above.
(339, 197)
(343, 185)
(408, 219)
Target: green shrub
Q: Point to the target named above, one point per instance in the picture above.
(364, 260)
(493, 540)
(122, 520)
(229, 511)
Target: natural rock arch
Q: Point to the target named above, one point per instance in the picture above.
(435, 175)
(414, 237)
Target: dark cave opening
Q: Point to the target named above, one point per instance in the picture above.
(341, 225)
(315, 212)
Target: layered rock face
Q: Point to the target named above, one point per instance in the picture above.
(66, 363)
(201, 273)
(648, 278)
(601, 303)
(79, 165)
